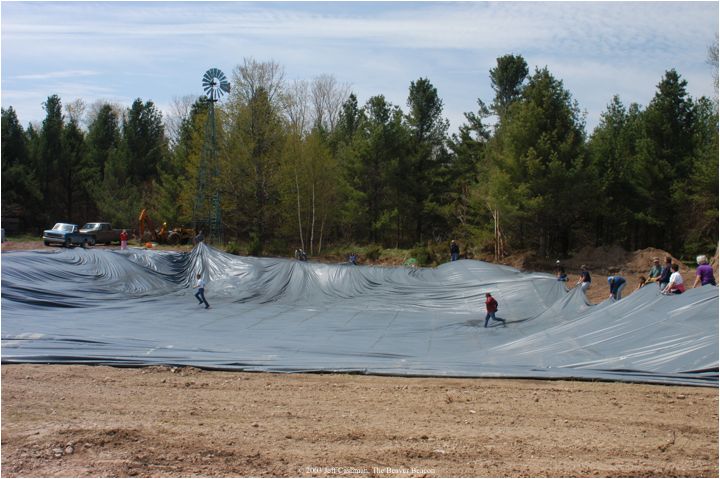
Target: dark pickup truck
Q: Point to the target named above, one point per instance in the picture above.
(67, 234)
(101, 232)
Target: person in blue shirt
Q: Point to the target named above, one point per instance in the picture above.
(664, 278)
(616, 283)
(560, 272)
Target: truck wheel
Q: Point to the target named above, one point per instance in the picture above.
(47, 243)
(84, 243)
(66, 243)
(174, 239)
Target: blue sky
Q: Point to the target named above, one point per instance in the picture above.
(119, 51)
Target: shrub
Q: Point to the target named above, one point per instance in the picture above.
(232, 247)
(373, 252)
(255, 248)
(423, 255)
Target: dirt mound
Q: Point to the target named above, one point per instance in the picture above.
(641, 261)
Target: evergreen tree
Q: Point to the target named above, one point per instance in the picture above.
(74, 173)
(468, 166)
(669, 150)
(48, 167)
(428, 131)
(20, 189)
(539, 174)
(144, 138)
(507, 80)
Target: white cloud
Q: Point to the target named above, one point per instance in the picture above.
(57, 74)
(159, 50)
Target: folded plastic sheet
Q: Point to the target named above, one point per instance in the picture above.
(136, 307)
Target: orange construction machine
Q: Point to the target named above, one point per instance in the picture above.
(148, 231)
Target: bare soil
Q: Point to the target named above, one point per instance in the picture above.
(79, 421)
(96, 421)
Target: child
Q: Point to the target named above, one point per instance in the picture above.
(200, 295)
(491, 306)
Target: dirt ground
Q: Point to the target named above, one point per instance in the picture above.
(79, 421)
(96, 421)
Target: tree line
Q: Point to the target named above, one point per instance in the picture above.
(305, 164)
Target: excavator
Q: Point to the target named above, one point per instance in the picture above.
(163, 235)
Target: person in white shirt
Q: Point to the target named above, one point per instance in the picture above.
(676, 284)
(200, 295)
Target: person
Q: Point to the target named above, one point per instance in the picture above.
(561, 275)
(200, 295)
(199, 238)
(353, 258)
(664, 278)
(491, 305)
(123, 239)
(454, 251)
(676, 284)
(585, 279)
(704, 272)
(616, 283)
(300, 254)
(655, 271)
(642, 281)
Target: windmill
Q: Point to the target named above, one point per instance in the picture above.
(215, 85)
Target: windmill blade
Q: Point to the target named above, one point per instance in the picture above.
(215, 83)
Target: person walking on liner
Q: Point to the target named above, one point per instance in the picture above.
(491, 305)
(200, 295)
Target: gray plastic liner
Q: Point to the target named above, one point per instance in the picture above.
(136, 307)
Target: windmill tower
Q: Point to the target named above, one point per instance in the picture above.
(206, 211)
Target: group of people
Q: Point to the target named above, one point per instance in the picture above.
(667, 277)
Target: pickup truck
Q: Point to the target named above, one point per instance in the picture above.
(67, 234)
(101, 232)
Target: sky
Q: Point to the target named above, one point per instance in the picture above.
(120, 51)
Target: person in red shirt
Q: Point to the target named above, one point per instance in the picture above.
(492, 306)
(123, 239)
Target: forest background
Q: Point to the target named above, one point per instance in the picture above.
(304, 164)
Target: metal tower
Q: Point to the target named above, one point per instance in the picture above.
(206, 211)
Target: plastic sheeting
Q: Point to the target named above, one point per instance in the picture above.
(136, 307)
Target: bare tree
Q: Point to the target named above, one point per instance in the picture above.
(95, 107)
(252, 75)
(179, 111)
(295, 104)
(713, 62)
(75, 111)
(327, 98)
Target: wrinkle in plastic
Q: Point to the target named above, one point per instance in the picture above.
(135, 307)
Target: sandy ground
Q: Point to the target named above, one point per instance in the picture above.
(76, 421)
(80, 421)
